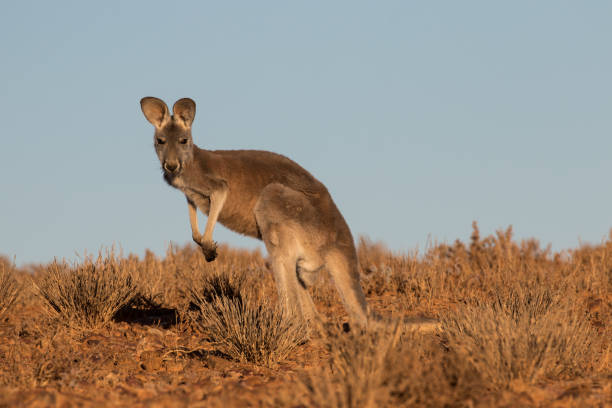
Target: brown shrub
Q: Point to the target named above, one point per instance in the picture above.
(155, 285)
(240, 321)
(529, 334)
(89, 294)
(251, 330)
(203, 286)
(354, 376)
(387, 367)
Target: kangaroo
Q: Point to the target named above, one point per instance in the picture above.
(266, 196)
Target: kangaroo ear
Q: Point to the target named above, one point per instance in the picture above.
(184, 111)
(155, 110)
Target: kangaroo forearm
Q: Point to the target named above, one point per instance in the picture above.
(217, 200)
(193, 219)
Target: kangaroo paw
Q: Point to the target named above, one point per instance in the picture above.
(209, 249)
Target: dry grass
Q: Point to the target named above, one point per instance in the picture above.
(529, 334)
(387, 367)
(356, 370)
(9, 289)
(248, 330)
(204, 286)
(242, 323)
(87, 295)
(521, 326)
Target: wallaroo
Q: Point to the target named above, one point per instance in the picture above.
(266, 196)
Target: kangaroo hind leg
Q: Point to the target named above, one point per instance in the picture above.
(343, 270)
(280, 214)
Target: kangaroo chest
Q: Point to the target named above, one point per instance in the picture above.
(237, 214)
(201, 201)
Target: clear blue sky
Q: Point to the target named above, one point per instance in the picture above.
(419, 116)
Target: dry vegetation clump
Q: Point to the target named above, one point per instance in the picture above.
(89, 294)
(354, 376)
(529, 335)
(387, 367)
(9, 288)
(203, 286)
(240, 321)
(151, 279)
(248, 330)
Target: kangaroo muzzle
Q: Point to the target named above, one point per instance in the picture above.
(172, 166)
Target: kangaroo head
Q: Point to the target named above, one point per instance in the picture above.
(173, 142)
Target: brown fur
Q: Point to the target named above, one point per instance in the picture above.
(266, 196)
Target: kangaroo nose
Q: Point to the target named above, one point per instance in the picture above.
(171, 166)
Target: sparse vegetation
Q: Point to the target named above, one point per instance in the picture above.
(520, 326)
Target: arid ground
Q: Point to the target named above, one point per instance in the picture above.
(517, 325)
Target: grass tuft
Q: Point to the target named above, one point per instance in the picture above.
(528, 335)
(89, 294)
(386, 367)
(243, 325)
(206, 286)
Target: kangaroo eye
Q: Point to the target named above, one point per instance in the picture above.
(183, 141)
(160, 141)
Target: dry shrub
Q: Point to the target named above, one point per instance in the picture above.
(204, 286)
(154, 285)
(529, 334)
(88, 294)
(9, 288)
(249, 330)
(354, 376)
(386, 367)
(241, 322)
